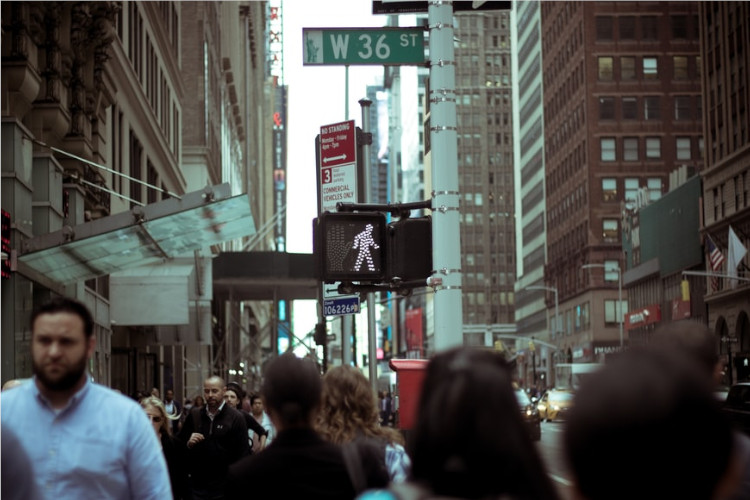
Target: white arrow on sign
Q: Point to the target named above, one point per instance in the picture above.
(333, 158)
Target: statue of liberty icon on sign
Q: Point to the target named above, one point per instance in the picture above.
(313, 42)
(363, 242)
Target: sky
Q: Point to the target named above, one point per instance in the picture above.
(316, 97)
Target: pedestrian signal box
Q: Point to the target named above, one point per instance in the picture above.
(350, 246)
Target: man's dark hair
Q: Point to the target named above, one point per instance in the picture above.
(68, 305)
(469, 439)
(648, 416)
(237, 388)
(691, 338)
(254, 396)
(292, 389)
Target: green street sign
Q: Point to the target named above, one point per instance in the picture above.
(383, 46)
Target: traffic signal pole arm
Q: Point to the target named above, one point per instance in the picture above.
(400, 210)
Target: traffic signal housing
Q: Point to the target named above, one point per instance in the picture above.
(359, 247)
(350, 246)
(409, 249)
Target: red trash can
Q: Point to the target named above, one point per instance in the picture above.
(409, 376)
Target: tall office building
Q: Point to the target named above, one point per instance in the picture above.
(621, 110)
(725, 56)
(485, 165)
(533, 318)
(95, 96)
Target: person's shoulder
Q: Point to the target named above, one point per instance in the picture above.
(17, 395)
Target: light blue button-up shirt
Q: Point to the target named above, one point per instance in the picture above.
(100, 446)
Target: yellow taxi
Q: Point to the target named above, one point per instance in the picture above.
(555, 404)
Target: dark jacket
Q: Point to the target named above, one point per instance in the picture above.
(253, 426)
(175, 453)
(298, 464)
(225, 442)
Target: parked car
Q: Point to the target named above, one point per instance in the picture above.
(530, 414)
(737, 406)
(555, 404)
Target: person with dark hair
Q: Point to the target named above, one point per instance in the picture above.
(234, 394)
(699, 345)
(174, 409)
(16, 471)
(260, 416)
(64, 421)
(469, 440)
(349, 414)
(216, 437)
(299, 463)
(648, 426)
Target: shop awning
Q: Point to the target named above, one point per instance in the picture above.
(145, 235)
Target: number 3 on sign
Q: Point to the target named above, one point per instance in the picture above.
(326, 175)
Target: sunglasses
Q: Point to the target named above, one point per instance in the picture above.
(154, 419)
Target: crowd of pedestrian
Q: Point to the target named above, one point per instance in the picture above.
(650, 415)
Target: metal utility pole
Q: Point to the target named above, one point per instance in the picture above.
(372, 356)
(446, 241)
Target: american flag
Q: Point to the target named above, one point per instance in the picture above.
(716, 260)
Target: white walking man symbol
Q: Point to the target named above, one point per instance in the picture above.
(363, 241)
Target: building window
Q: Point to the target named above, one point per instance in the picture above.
(650, 68)
(680, 67)
(630, 149)
(627, 68)
(608, 152)
(629, 108)
(653, 148)
(609, 230)
(654, 188)
(609, 189)
(603, 28)
(627, 27)
(631, 189)
(611, 315)
(679, 27)
(611, 270)
(651, 107)
(700, 147)
(606, 108)
(605, 68)
(682, 107)
(649, 28)
(683, 148)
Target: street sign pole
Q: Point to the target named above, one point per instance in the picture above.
(446, 247)
(337, 181)
(372, 356)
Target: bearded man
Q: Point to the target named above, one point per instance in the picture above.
(83, 439)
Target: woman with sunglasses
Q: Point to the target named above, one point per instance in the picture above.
(174, 450)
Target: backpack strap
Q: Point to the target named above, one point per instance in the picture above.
(354, 466)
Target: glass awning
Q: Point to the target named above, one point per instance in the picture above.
(144, 235)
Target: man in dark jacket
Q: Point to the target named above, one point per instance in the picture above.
(299, 463)
(216, 437)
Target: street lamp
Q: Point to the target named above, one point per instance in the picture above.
(557, 306)
(619, 290)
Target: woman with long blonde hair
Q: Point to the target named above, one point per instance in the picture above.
(174, 450)
(349, 413)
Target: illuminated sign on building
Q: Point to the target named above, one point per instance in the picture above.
(279, 168)
(275, 47)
